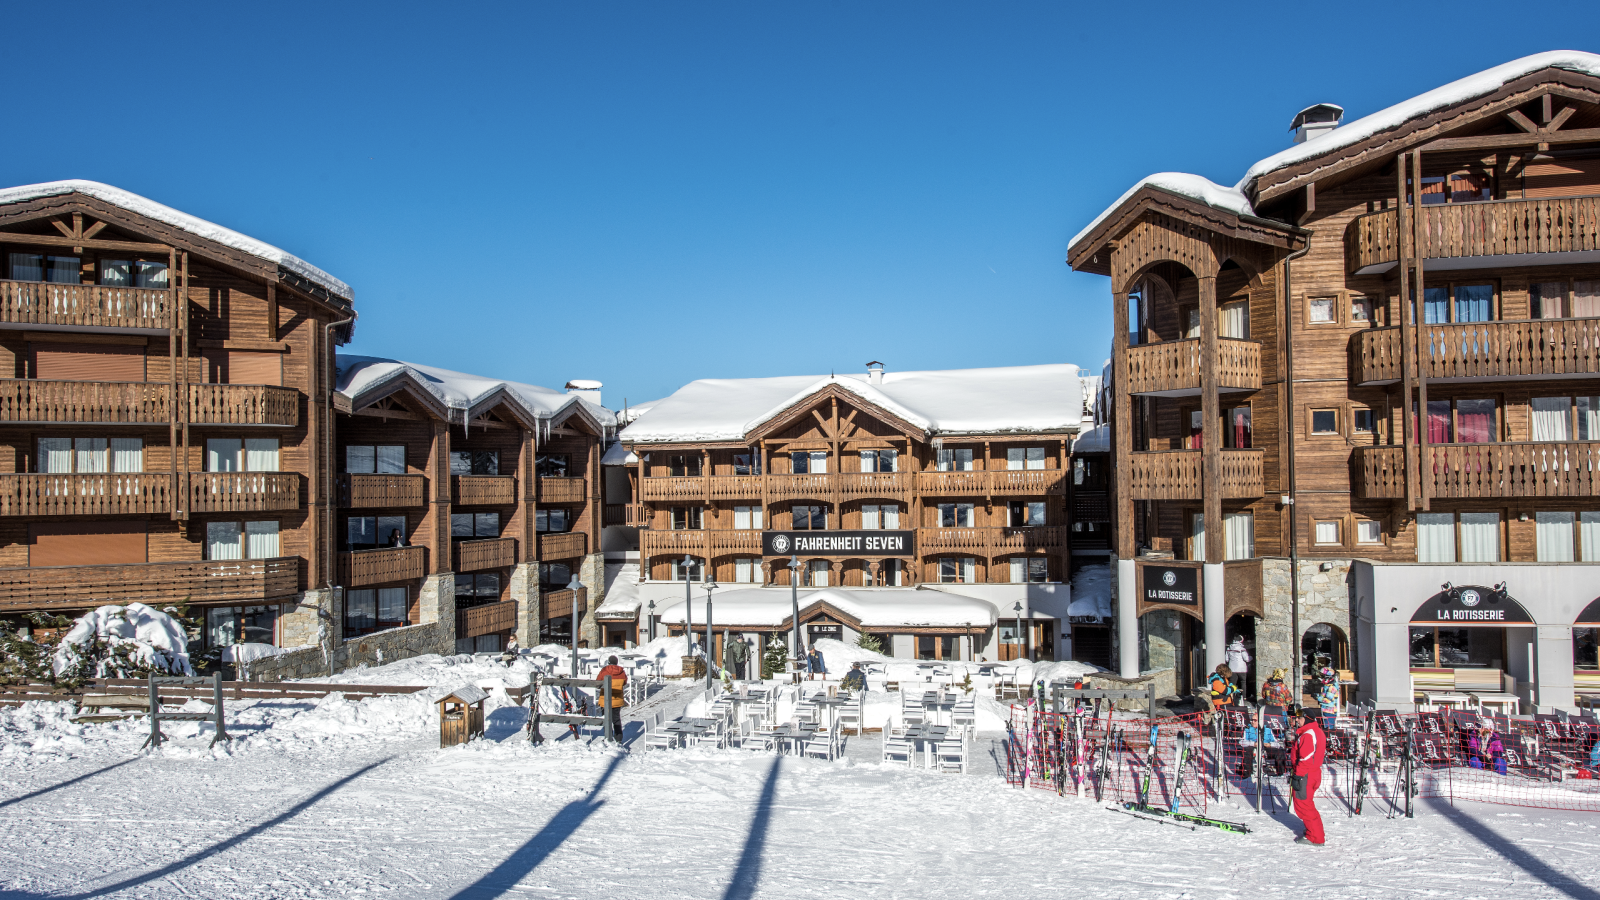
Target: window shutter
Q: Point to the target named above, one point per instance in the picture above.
(86, 544)
(88, 362)
(255, 367)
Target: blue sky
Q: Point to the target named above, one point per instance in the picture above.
(649, 193)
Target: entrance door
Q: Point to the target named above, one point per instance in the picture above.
(1092, 644)
(1244, 626)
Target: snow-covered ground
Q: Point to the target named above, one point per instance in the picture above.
(336, 798)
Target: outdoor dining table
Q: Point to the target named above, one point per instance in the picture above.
(788, 738)
(832, 704)
(925, 737)
(684, 727)
(940, 705)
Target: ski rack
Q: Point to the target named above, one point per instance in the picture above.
(156, 738)
(537, 718)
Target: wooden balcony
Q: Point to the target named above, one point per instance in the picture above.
(953, 484)
(211, 492)
(1481, 350)
(1172, 368)
(672, 543)
(1456, 232)
(554, 489)
(615, 514)
(989, 541)
(382, 491)
(554, 604)
(851, 485)
(728, 540)
(1451, 471)
(868, 485)
(1177, 474)
(799, 487)
(212, 581)
(26, 400)
(665, 489)
(138, 493)
(565, 545)
(485, 490)
(382, 566)
(493, 553)
(638, 515)
(488, 618)
(1008, 482)
(84, 305)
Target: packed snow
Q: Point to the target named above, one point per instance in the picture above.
(1193, 187)
(150, 637)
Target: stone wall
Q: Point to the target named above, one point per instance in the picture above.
(373, 649)
(593, 575)
(1324, 598)
(524, 590)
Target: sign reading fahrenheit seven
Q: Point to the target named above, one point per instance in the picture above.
(838, 543)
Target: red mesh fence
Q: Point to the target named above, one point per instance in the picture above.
(1544, 761)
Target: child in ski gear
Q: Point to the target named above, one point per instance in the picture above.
(736, 655)
(1221, 684)
(1310, 745)
(814, 663)
(1485, 750)
(1328, 696)
(855, 679)
(1275, 692)
(619, 680)
(1238, 661)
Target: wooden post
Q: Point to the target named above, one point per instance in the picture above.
(440, 481)
(527, 496)
(1407, 329)
(185, 398)
(173, 310)
(1121, 426)
(1418, 251)
(1211, 420)
(272, 311)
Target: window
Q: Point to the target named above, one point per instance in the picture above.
(1586, 648)
(90, 455)
(1236, 428)
(1324, 421)
(467, 526)
(242, 540)
(133, 273)
(746, 570)
(1025, 513)
(1029, 571)
(1024, 457)
(383, 459)
(552, 521)
(1089, 473)
(1361, 311)
(813, 462)
(1238, 535)
(879, 460)
(746, 464)
(1548, 300)
(1476, 421)
(550, 465)
(1559, 418)
(809, 517)
(1436, 538)
(1327, 531)
(956, 515)
(1233, 320)
(368, 532)
(556, 576)
(1435, 306)
(1369, 531)
(474, 462)
(747, 518)
(958, 570)
(227, 625)
(1322, 310)
(1589, 534)
(875, 516)
(816, 573)
(688, 518)
(42, 267)
(1480, 537)
(1458, 648)
(954, 460)
(1553, 536)
(891, 573)
(1458, 187)
(1191, 318)
(477, 588)
(1459, 303)
(683, 465)
(1362, 420)
(1197, 433)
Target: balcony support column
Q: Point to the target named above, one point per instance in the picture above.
(1127, 618)
(437, 605)
(1211, 421)
(1403, 251)
(1417, 251)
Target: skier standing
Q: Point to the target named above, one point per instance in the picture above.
(619, 680)
(1239, 661)
(814, 664)
(738, 651)
(1275, 692)
(1310, 745)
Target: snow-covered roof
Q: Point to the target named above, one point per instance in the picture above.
(460, 392)
(1193, 187)
(194, 225)
(466, 693)
(584, 384)
(873, 607)
(1095, 440)
(618, 455)
(951, 401)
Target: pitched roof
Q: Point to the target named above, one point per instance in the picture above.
(463, 396)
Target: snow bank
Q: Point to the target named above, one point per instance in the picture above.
(149, 636)
(1091, 592)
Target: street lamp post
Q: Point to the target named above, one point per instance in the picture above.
(794, 597)
(711, 585)
(575, 586)
(651, 622)
(688, 610)
(1018, 609)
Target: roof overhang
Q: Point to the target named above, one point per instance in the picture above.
(1092, 252)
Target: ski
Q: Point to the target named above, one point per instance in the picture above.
(1183, 761)
(1150, 765)
(1149, 818)
(1366, 760)
(1105, 758)
(1235, 827)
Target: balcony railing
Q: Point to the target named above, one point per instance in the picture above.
(850, 485)
(132, 493)
(1172, 368)
(243, 404)
(1178, 475)
(1466, 230)
(84, 305)
(144, 403)
(382, 491)
(382, 566)
(553, 604)
(988, 541)
(802, 487)
(656, 542)
(565, 545)
(485, 490)
(241, 580)
(1544, 347)
(615, 514)
(490, 618)
(554, 489)
(669, 488)
(638, 515)
(493, 553)
(211, 492)
(1450, 471)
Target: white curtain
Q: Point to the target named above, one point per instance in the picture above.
(1480, 537)
(1327, 533)
(891, 515)
(127, 454)
(1239, 534)
(969, 570)
(1585, 299)
(91, 454)
(964, 516)
(1233, 320)
(222, 541)
(1589, 530)
(1197, 537)
(744, 571)
(870, 518)
(1552, 419)
(1436, 538)
(55, 455)
(819, 461)
(894, 569)
(819, 573)
(262, 539)
(1016, 457)
(1550, 296)
(1589, 418)
(1553, 531)
(222, 454)
(261, 455)
(393, 604)
(741, 518)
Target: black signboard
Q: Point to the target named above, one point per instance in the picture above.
(1471, 604)
(838, 543)
(1172, 584)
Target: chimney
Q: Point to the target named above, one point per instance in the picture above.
(588, 390)
(1315, 121)
(874, 372)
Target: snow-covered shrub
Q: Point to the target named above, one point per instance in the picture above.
(869, 643)
(775, 658)
(27, 651)
(122, 642)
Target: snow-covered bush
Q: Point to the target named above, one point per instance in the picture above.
(122, 642)
(869, 643)
(775, 658)
(27, 651)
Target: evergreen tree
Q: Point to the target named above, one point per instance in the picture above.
(775, 658)
(869, 643)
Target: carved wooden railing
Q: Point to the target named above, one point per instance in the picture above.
(244, 491)
(735, 541)
(1178, 474)
(734, 486)
(556, 489)
(669, 488)
(953, 484)
(615, 514)
(84, 305)
(492, 553)
(565, 545)
(638, 515)
(805, 487)
(1028, 481)
(1463, 471)
(383, 565)
(988, 541)
(1173, 366)
(131, 493)
(243, 404)
(656, 542)
(382, 491)
(242, 581)
(873, 484)
(489, 618)
(485, 490)
(86, 402)
(555, 603)
(1493, 228)
(1544, 347)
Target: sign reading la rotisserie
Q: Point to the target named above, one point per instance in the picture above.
(1171, 584)
(838, 543)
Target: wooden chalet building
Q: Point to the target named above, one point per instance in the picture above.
(1357, 397)
(162, 414)
(887, 487)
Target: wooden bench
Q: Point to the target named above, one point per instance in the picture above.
(111, 707)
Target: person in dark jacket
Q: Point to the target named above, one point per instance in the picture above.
(1310, 747)
(736, 655)
(619, 680)
(855, 679)
(814, 664)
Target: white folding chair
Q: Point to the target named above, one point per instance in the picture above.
(951, 755)
(965, 717)
(820, 744)
(806, 711)
(851, 714)
(655, 738)
(895, 746)
(738, 737)
(911, 711)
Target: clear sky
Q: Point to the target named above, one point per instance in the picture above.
(649, 193)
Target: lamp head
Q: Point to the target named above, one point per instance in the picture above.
(574, 585)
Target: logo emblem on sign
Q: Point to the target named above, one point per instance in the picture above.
(1469, 598)
(780, 543)
(1169, 578)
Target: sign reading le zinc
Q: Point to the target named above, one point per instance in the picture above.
(838, 543)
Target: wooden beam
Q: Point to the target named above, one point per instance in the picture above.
(390, 414)
(1121, 427)
(1404, 235)
(50, 240)
(1500, 141)
(93, 230)
(1311, 203)
(1546, 103)
(272, 310)
(1561, 119)
(1522, 121)
(1211, 421)
(62, 227)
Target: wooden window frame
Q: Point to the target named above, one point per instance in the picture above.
(1335, 296)
(1338, 423)
(1358, 407)
(1355, 532)
(1374, 303)
(1338, 523)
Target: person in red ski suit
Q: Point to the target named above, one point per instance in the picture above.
(619, 680)
(1310, 745)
